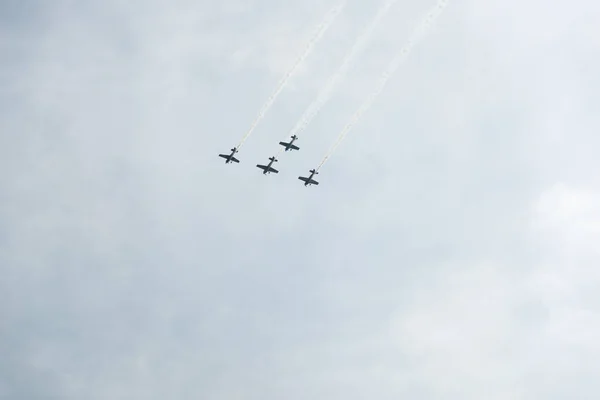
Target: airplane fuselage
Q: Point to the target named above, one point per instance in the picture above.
(267, 170)
(309, 181)
(310, 178)
(290, 146)
(230, 158)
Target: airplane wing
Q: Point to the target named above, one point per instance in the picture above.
(291, 146)
(267, 168)
(307, 180)
(225, 156)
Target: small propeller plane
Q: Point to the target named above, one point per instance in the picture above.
(268, 168)
(309, 180)
(290, 145)
(230, 158)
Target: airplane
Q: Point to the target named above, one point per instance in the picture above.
(230, 158)
(268, 168)
(290, 145)
(309, 180)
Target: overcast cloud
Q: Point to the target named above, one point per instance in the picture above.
(450, 251)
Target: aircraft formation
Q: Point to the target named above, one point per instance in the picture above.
(267, 169)
(327, 90)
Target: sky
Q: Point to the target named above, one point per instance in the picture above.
(449, 252)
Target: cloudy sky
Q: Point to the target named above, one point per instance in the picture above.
(450, 251)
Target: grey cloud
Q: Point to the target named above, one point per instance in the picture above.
(432, 261)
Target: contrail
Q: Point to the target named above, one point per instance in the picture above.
(333, 13)
(393, 66)
(325, 92)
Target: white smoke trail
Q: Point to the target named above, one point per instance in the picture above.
(333, 13)
(326, 91)
(393, 66)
